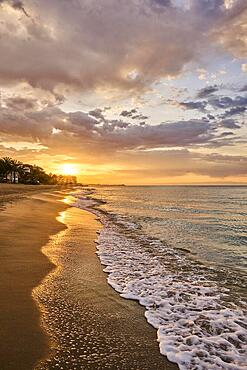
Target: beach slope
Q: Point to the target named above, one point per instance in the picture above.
(25, 226)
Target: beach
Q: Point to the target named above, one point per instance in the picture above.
(57, 310)
(13, 192)
(25, 225)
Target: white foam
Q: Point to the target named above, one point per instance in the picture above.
(196, 327)
(83, 200)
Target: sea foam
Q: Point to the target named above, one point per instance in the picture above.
(198, 327)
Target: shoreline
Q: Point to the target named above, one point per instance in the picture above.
(89, 324)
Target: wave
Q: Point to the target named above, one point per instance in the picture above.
(198, 325)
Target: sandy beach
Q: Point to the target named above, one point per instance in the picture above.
(12, 192)
(57, 310)
(25, 225)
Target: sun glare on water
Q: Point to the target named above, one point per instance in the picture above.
(68, 169)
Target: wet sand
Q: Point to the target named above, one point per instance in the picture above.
(59, 312)
(90, 325)
(25, 226)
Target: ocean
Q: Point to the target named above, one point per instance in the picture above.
(181, 252)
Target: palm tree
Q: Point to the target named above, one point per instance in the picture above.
(16, 169)
(6, 165)
(9, 168)
(2, 170)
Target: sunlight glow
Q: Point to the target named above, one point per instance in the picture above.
(69, 169)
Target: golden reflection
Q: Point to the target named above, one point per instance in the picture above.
(66, 216)
(69, 199)
(62, 217)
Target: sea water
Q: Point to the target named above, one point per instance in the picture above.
(181, 252)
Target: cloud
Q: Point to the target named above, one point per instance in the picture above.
(208, 8)
(89, 138)
(134, 115)
(114, 52)
(234, 111)
(244, 67)
(183, 133)
(224, 102)
(231, 30)
(54, 49)
(206, 91)
(128, 113)
(223, 165)
(112, 46)
(20, 118)
(154, 164)
(243, 88)
(229, 123)
(21, 103)
(140, 117)
(198, 105)
(162, 3)
(16, 4)
(98, 114)
(233, 106)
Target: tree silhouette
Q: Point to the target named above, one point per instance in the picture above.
(13, 171)
(7, 166)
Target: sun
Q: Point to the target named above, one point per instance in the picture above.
(68, 169)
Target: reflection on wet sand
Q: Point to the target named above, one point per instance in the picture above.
(89, 325)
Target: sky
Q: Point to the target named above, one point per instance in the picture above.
(126, 91)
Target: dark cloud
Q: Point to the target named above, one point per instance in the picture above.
(226, 133)
(232, 105)
(183, 133)
(164, 3)
(112, 126)
(81, 119)
(16, 4)
(98, 114)
(140, 117)
(229, 123)
(134, 115)
(20, 103)
(198, 105)
(243, 88)
(234, 111)
(209, 8)
(206, 91)
(224, 102)
(38, 124)
(128, 113)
